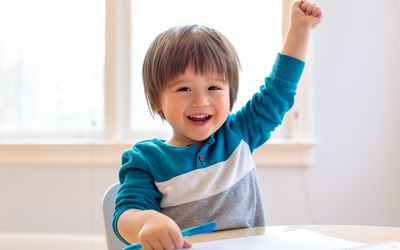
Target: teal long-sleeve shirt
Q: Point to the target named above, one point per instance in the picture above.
(219, 181)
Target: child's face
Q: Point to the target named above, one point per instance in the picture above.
(195, 105)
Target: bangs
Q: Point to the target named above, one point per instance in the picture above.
(203, 56)
(202, 49)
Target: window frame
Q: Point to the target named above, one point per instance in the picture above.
(106, 148)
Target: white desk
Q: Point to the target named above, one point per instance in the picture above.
(362, 234)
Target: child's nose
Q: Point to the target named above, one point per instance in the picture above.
(200, 100)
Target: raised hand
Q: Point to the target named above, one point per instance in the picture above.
(305, 15)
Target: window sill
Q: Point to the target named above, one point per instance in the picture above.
(104, 152)
(285, 153)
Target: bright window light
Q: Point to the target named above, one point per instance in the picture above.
(51, 66)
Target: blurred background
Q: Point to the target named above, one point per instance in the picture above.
(71, 101)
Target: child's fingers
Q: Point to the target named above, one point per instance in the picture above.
(177, 239)
(314, 11)
(187, 244)
(168, 243)
(158, 244)
(317, 13)
(146, 245)
(310, 9)
(304, 5)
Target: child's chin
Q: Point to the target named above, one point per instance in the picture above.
(200, 138)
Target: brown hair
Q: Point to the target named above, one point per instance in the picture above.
(171, 52)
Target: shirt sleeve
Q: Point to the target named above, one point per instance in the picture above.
(265, 111)
(137, 190)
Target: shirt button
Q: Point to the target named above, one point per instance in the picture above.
(201, 158)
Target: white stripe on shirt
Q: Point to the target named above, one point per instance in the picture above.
(209, 181)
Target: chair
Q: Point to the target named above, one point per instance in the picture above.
(113, 243)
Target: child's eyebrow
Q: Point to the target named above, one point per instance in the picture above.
(176, 81)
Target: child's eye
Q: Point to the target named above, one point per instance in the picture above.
(184, 89)
(213, 88)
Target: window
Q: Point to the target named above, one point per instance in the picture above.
(80, 77)
(51, 68)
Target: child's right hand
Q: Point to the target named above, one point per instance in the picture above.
(161, 232)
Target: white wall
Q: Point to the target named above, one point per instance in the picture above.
(53, 207)
(355, 177)
(61, 199)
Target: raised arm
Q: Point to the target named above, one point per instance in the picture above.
(304, 16)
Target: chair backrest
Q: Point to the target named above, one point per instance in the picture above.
(109, 197)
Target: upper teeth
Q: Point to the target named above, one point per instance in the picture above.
(202, 116)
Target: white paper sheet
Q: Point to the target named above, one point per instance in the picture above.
(300, 239)
(395, 245)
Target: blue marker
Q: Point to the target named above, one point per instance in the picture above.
(200, 229)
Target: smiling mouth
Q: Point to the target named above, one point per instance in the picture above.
(202, 118)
